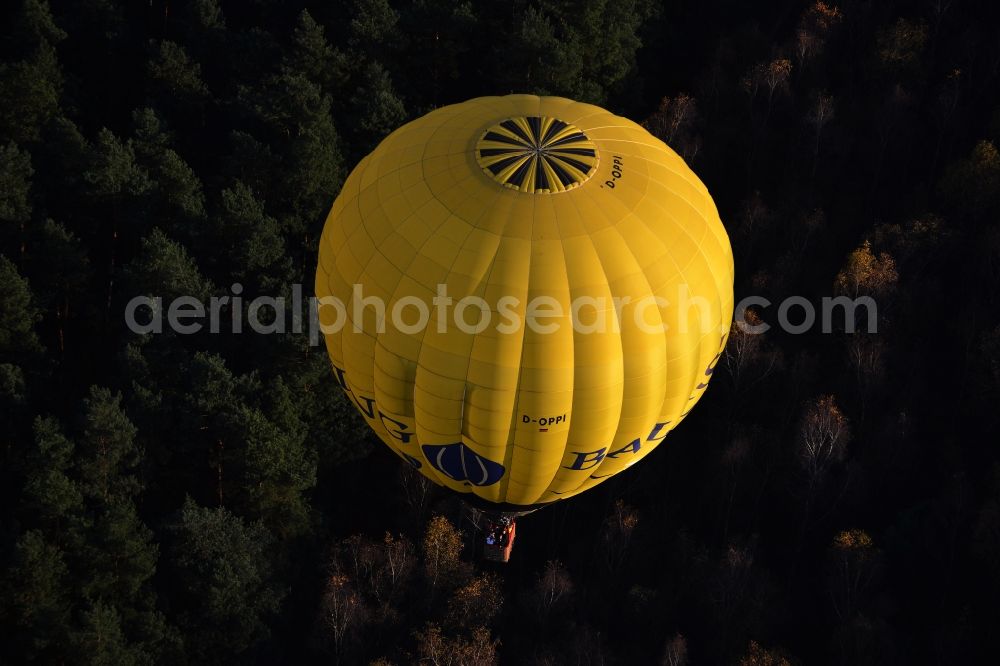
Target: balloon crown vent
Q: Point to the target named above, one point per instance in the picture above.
(536, 154)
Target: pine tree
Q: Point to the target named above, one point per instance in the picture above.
(118, 556)
(224, 582)
(177, 87)
(337, 431)
(108, 454)
(117, 184)
(280, 467)
(202, 28)
(299, 130)
(60, 160)
(35, 601)
(34, 25)
(61, 275)
(578, 50)
(375, 106)
(13, 400)
(164, 268)
(373, 25)
(31, 81)
(15, 188)
(313, 169)
(52, 500)
(178, 199)
(18, 315)
(102, 641)
(113, 172)
(312, 56)
(441, 50)
(37, 589)
(257, 249)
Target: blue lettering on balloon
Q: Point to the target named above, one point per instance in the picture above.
(338, 375)
(656, 431)
(631, 447)
(459, 462)
(709, 370)
(368, 409)
(398, 432)
(587, 459)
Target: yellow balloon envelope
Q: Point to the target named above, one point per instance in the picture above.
(523, 295)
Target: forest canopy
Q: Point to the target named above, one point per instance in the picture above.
(207, 498)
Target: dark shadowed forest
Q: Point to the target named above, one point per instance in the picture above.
(213, 498)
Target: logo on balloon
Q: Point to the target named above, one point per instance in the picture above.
(459, 462)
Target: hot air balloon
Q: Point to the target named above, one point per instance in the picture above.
(523, 295)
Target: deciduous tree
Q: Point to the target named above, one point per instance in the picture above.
(434, 647)
(442, 549)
